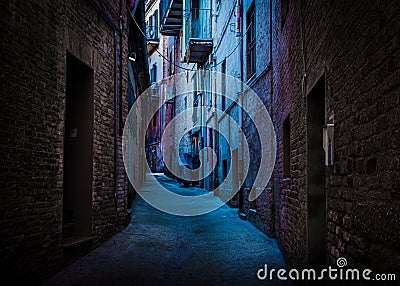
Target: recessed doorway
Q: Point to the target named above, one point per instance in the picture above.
(316, 191)
(78, 151)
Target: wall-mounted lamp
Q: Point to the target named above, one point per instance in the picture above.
(328, 139)
(132, 56)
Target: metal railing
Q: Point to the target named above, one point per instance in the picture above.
(198, 24)
(163, 8)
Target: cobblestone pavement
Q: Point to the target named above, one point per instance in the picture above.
(161, 249)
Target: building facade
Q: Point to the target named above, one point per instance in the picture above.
(154, 52)
(63, 107)
(336, 69)
(328, 75)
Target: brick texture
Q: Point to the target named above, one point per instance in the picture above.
(36, 36)
(355, 45)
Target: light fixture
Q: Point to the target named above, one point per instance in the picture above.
(132, 56)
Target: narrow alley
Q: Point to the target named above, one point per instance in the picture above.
(161, 249)
(199, 142)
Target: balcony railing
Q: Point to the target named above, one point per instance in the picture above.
(198, 24)
(198, 39)
(171, 16)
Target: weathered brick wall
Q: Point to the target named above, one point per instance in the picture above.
(263, 205)
(35, 39)
(290, 196)
(356, 46)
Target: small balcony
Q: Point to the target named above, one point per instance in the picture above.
(171, 17)
(198, 38)
(152, 39)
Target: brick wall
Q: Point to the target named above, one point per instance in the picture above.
(35, 39)
(355, 45)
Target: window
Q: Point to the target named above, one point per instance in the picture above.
(224, 169)
(153, 74)
(251, 40)
(195, 145)
(155, 28)
(286, 148)
(170, 63)
(171, 60)
(151, 32)
(195, 104)
(210, 130)
(195, 4)
(223, 84)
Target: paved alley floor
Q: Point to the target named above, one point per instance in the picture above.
(162, 249)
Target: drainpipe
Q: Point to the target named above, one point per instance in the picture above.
(116, 125)
(215, 146)
(271, 111)
(200, 98)
(121, 49)
(212, 101)
(239, 35)
(118, 105)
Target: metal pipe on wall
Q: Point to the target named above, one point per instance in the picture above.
(239, 35)
(121, 27)
(271, 111)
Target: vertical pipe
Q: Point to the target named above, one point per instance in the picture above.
(118, 104)
(120, 68)
(239, 34)
(211, 100)
(215, 125)
(116, 123)
(200, 86)
(161, 114)
(271, 111)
